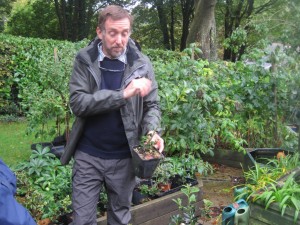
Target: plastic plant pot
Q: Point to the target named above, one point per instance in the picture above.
(144, 168)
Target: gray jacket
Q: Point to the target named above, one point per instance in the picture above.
(139, 114)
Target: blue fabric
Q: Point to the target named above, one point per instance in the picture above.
(11, 212)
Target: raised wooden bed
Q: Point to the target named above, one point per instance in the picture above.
(272, 216)
(226, 157)
(246, 160)
(159, 211)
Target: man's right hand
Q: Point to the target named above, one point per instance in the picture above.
(141, 87)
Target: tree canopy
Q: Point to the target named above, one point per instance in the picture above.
(233, 26)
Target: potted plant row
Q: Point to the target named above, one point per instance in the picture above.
(170, 176)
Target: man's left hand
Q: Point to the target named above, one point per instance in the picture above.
(157, 140)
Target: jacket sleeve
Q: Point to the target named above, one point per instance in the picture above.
(84, 100)
(151, 111)
(11, 212)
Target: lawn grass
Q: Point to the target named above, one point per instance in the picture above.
(14, 143)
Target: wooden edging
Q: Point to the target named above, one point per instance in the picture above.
(272, 215)
(159, 211)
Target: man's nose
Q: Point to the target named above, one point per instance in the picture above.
(119, 39)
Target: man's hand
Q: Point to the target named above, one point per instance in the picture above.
(157, 140)
(139, 87)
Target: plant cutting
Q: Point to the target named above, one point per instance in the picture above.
(149, 190)
(146, 149)
(187, 215)
(145, 157)
(144, 191)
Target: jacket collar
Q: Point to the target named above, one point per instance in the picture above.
(131, 54)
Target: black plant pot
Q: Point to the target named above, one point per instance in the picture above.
(144, 168)
(138, 197)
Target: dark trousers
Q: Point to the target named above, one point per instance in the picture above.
(89, 173)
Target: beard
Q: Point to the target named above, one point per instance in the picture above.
(113, 51)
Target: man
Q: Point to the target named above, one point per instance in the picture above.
(113, 93)
(11, 212)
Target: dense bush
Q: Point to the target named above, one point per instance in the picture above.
(44, 185)
(221, 104)
(204, 104)
(40, 71)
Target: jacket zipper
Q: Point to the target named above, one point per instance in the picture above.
(129, 76)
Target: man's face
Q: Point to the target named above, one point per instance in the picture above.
(114, 37)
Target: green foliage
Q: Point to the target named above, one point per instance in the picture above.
(33, 19)
(150, 191)
(181, 85)
(148, 23)
(188, 165)
(288, 196)
(205, 105)
(6, 76)
(237, 39)
(187, 215)
(40, 70)
(275, 182)
(183, 167)
(45, 183)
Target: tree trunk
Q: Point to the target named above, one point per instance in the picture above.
(203, 28)
(74, 18)
(60, 8)
(75, 21)
(187, 9)
(172, 24)
(237, 11)
(163, 23)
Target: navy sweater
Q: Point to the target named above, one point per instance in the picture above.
(104, 135)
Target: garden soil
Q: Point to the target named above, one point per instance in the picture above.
(219, 189)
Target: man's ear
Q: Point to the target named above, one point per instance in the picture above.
(99, 33)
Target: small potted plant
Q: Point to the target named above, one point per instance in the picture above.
(144, 191)
(163, 176)
(145, 158)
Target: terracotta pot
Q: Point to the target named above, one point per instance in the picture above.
(164, 187)
(44, 221)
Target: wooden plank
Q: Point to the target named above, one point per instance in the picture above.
(271, 215)
(226, 157)
(163, 208)
(158, 207)
(254, 221)
(165, 219)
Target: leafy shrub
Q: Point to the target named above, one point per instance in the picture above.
(6, 73)
(44, 184)
(205, 105)
(8, 118)
(40, 70)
